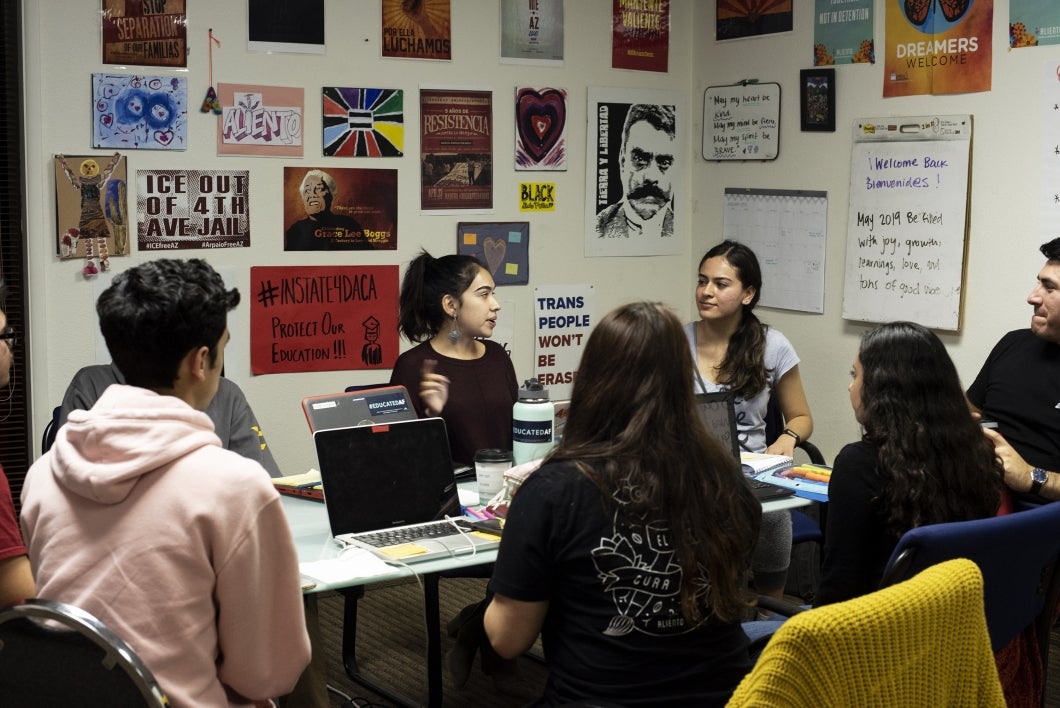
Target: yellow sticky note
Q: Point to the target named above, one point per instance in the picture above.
(403, 551)
(470, 239)
(511, 269)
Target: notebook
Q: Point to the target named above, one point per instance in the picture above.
(393, 480)
(385, 404)
(718, 413)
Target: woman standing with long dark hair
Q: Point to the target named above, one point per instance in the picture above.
(627, 549)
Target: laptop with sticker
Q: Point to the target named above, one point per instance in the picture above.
(390, 488)
(386, 404)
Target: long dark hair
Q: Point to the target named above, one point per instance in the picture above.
(633, 426)
(427, 280)
(935, 462)
(744, 369)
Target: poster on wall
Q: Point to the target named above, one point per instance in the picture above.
(323, 318)
(842, 34)
(541, 129)
(145, 32)
(91, 208)
(503, 248)
(1033, 23)
(736, 19)
(938, 48)
(137, 112)
(1049, 199)
(363, 122)
(456, 149)
(339, 209)
(260, 120)
(633, 166)
(179, 209)
(285, 26)
(532, 32)
(640, 35)
(563, 318)
(417, 30)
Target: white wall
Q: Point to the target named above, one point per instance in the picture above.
(62, 47)
(1002, 254)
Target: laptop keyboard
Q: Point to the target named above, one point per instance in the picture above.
(408, 534)
(765, 489)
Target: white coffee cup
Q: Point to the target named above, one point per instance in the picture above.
(490, 465)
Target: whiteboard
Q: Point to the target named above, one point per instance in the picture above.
(741, 122)
(908, 220)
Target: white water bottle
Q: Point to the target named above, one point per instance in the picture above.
(533, 418)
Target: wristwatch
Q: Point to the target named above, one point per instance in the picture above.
(792, 433)
(1038, 478)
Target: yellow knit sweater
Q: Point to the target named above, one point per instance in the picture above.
(919, 643)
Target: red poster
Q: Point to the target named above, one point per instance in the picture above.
(145, 32)
(938, 47)
(456, 149)
(323, 318)
(640, 37)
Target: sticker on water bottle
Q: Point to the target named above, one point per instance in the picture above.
(532, 431)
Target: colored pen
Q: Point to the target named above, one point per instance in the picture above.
(488, 514)
(474, 513)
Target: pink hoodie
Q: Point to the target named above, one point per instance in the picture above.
(139, 516)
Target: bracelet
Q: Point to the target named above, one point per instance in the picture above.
(792, 433)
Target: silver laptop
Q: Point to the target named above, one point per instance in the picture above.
(390, 488)
(385, 404)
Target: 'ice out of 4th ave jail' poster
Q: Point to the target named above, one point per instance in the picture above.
(417, 30)
(145, 32)
(192, 209)
(456, 149)
(323, 318)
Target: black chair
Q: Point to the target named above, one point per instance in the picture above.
(54, 654)
(50, 431)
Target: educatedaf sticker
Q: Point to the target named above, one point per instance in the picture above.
(537, 196)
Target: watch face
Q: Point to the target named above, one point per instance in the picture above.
(1039, 476)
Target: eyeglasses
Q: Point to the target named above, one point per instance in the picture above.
(10, 336)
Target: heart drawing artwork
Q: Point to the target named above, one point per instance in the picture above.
(541, 128)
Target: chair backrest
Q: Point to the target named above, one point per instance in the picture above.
(50, 431)
(1017, 555)
(54, 654)
(775, 424)
(922, 642)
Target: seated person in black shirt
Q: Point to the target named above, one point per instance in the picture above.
(628, 549)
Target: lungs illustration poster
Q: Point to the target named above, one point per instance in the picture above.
(136, 112)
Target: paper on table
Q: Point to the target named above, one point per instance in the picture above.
(353, 563)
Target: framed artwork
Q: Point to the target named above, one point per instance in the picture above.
(817, 100)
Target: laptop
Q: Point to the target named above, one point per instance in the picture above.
(389, 487)
(718, 413)
(386, 404)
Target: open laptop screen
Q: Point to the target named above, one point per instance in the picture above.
(378, 476)
(718, 413)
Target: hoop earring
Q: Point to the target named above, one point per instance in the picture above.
(454, 332)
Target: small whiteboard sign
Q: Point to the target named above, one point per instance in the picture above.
(741, 122)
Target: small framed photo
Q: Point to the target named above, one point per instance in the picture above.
(817, 99)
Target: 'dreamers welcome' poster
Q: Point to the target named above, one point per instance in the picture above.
(937, 47)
